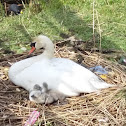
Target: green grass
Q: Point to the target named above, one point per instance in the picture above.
(72, 17)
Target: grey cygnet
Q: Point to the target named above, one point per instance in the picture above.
(44, 95)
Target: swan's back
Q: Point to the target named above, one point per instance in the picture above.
(59, 73)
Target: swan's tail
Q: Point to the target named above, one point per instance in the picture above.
(100, 84)
(103, 85)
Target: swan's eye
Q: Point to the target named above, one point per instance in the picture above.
(41, 48)
(33, 44)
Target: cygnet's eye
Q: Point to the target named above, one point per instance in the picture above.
(33, 96)
(33, 44)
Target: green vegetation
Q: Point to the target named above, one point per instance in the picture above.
(71, 17)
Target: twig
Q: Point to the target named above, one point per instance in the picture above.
(93, 24)
(24, 26)
(23, 3)
(99, 30)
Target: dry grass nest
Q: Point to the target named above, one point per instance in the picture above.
(107, 108)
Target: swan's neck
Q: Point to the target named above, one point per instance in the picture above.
(18, 67)
(49, 51)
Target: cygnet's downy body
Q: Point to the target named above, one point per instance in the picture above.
(45, 96)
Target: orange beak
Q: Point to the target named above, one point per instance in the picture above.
(32, 50)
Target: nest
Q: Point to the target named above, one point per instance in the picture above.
(106, 108)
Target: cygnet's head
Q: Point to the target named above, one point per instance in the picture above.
(42, 42)
(38, 94)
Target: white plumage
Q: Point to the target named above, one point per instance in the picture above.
(60, 74)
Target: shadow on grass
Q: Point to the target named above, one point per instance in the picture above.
(66, 21)
(69, 19)
(21, 29)
(8, 41)
(76, 25)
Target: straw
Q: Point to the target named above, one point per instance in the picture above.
(95, 109)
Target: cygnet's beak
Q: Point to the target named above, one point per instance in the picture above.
(32, 50)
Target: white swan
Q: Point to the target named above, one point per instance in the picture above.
(61, 74)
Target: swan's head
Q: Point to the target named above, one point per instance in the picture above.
(38, 94)
(42, 42)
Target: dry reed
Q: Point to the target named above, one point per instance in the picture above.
(106, 108)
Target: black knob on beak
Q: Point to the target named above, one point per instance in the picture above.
(32, 44)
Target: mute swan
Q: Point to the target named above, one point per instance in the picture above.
(61, 74)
